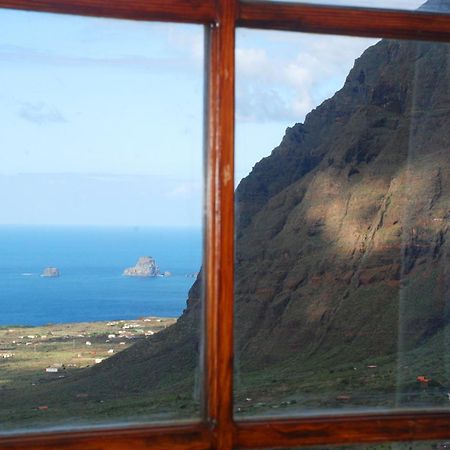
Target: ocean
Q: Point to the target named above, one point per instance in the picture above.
(91, 261)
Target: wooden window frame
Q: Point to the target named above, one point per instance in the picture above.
(217, 427)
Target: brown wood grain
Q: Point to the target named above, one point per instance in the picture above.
(345, 429)
(192, 11)
(344, 20)
(220, 226)
(194, 436)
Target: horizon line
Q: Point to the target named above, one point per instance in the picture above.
(199, 227)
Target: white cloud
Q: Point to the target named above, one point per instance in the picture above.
(40, 113)
(251, 60)
(184, 190)
(282, 76)
(93, 199)
(188, 41)
(26, 55)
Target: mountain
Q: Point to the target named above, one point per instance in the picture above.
(342, 250)
(342, 237)
(349, 213)
(342, 259)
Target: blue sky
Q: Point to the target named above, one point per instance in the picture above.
(102, 119)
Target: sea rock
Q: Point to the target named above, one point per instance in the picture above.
(192, 275)
(50, 272)
(145, 267)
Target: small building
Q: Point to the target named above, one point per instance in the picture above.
(422, 379)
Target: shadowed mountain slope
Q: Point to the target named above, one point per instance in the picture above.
(348, 214)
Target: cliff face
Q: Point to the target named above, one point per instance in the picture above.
(343, 228)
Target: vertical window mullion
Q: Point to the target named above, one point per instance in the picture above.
(219, 273)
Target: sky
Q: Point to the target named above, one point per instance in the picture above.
(102, 120)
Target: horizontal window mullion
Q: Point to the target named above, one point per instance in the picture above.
(188, 436)
(349, 21)
(344, 429)
(192, 11)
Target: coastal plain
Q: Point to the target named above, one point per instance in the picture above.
(34, 357)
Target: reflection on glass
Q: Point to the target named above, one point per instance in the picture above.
(439, 6)
(342, 257)
(100, 220)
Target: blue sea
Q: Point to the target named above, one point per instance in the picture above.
(91, 261)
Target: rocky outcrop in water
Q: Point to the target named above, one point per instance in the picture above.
(145, 267)
(50, 272)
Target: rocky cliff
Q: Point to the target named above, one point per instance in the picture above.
(343, 229)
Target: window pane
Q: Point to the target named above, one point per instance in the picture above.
(440, 6)
(342, 229)
(100, 220)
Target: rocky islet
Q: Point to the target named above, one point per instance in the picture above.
(145, 267)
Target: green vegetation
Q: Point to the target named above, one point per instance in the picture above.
(383, 382)
(41, 369)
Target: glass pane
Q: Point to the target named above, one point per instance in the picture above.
(440, 6)
(342, 271)
(100, 220)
